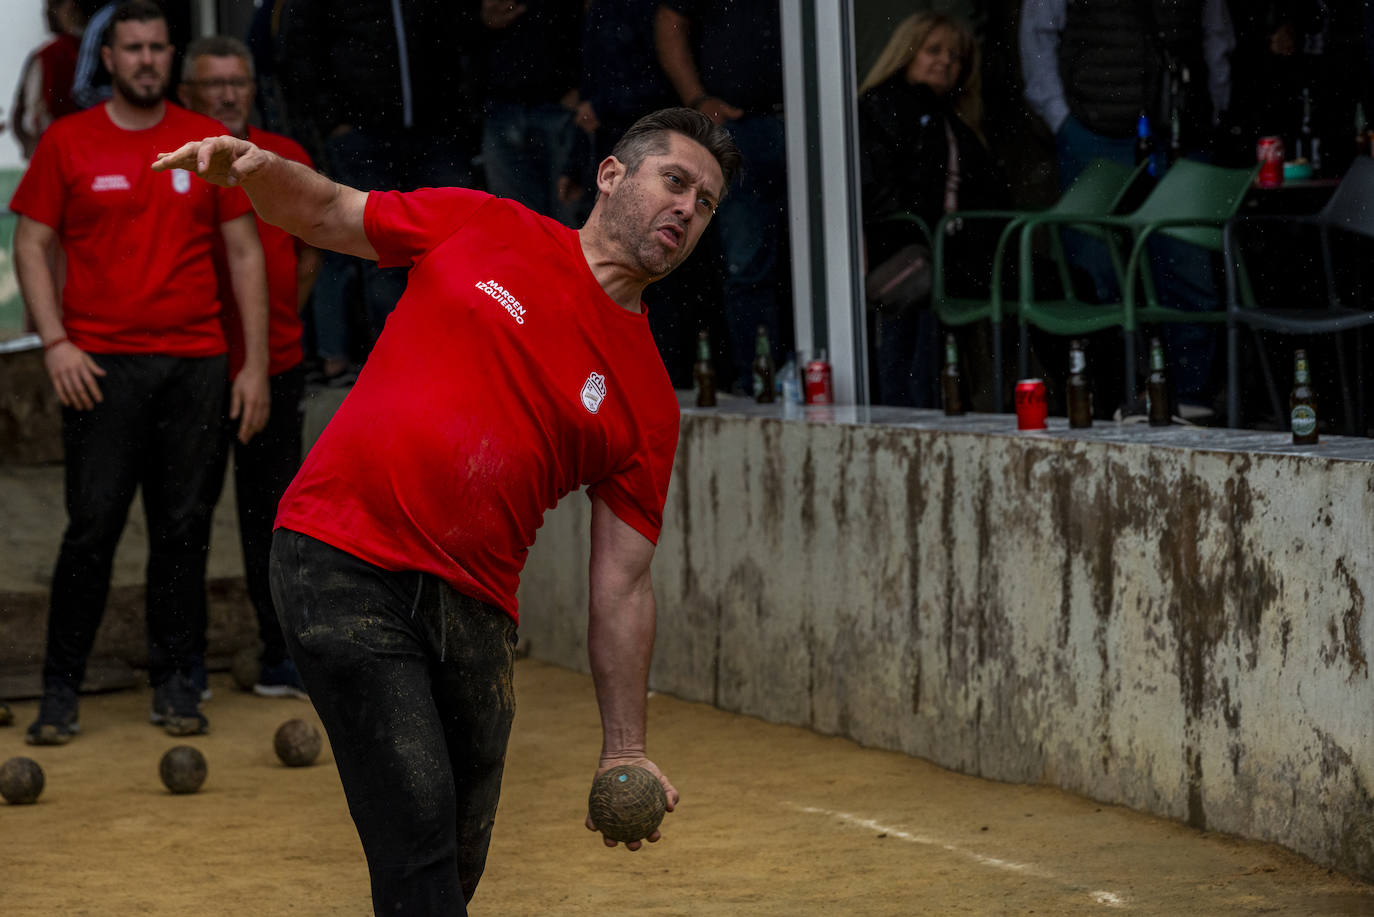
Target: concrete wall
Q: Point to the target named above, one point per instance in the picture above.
(1173, 620)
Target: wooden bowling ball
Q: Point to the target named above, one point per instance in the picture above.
(182, 769)
(627, 803)
(21, 781)
(245, 667)
(297, 743)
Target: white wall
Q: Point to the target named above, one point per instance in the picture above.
(21, 30)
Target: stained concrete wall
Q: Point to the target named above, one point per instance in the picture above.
(1173, 620)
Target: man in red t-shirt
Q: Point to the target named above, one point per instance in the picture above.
(517, 367)
(217, 80)
(45, 81)
(133, 345)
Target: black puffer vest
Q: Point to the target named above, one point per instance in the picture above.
(1114, 59)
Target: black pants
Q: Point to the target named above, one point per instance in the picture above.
(157, 428)
(412, 681)
(263, 467)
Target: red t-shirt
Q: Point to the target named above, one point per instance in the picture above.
(282, 252)
(504, 379)
(140, 277)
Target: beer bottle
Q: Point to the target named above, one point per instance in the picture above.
(763, 368)
(1302, 403)
(1157, 388)
(1079, 389)
(704, 371)
(949, 379)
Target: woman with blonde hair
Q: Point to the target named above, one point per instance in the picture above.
(921, 151)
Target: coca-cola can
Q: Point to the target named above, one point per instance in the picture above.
(819, 387)
(1031, 407)
(1269, 155)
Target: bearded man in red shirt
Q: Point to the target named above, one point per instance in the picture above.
(517, 367)
(134, 348)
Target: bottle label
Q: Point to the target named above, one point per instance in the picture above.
(1156, 359)
(951, 354)
(1304, 420)
(1300, 374)
(1077, 361)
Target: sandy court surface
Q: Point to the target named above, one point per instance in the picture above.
(774, 821)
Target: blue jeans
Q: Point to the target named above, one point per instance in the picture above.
(525, 148)
(750, 221)
(157, 429)
(1184, 274)
(413, 682)
(374, 162)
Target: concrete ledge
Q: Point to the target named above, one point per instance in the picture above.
(1169, 619)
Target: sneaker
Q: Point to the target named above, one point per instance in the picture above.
(280, 680)
(56, 723)
(176, 707)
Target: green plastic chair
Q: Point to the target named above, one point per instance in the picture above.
(1192, 202)
(1096, 192)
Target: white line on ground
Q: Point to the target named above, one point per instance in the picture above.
(1110, 899)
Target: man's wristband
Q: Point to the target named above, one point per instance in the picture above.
(53, 343)
(699, 99)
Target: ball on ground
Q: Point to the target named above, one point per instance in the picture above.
(297, 743)
(21, 781)
(627, 803)
(246, 665)
(183, 769)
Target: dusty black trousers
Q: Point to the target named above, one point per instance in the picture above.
(413, 682)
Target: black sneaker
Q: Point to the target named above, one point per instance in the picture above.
(280, 680)
(56, 723)
(176, 707)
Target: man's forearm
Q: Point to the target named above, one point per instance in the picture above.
(37, 285)
(671, 38)
(293, 196)
(248, 278)
(620, 647)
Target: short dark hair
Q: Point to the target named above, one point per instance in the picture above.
(215, 46)
(648, 137)
(131, 11)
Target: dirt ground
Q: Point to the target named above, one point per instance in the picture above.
(773, 821)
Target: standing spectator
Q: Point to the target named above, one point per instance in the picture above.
(1091, 70)
(530, 94)
(724, 59)
(922, 152)
(135, 350)
(217, 80)
(45, 81)
(383, 86)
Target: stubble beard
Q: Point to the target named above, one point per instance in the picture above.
(138, 97)
(626, 228)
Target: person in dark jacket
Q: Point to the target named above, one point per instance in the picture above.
(922, 152)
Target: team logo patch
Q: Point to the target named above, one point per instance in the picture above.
(594, 392)
(181, 181)
(110, 183)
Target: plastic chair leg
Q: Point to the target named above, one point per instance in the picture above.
(997, 366)
(1130, 364)
(1279, 416)
(1232, 375)
(1347, 403)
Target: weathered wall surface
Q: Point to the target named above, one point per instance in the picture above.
(1165, 619)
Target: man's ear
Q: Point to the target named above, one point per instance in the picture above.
(107, 58)
(184, 94)
(609, 173)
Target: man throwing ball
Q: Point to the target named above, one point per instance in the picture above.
(518, 366)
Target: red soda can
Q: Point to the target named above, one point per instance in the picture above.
(1031, 407)
(819, 388)
(1269, 155)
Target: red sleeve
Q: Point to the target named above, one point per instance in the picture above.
(637, 492)
(405, 226)
(231, 203)
(42, 192)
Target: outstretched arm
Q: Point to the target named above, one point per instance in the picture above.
(620, 644)
(288, 194)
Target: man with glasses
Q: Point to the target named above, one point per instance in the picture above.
(217, 80)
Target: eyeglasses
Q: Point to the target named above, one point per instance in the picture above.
(238, 83)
